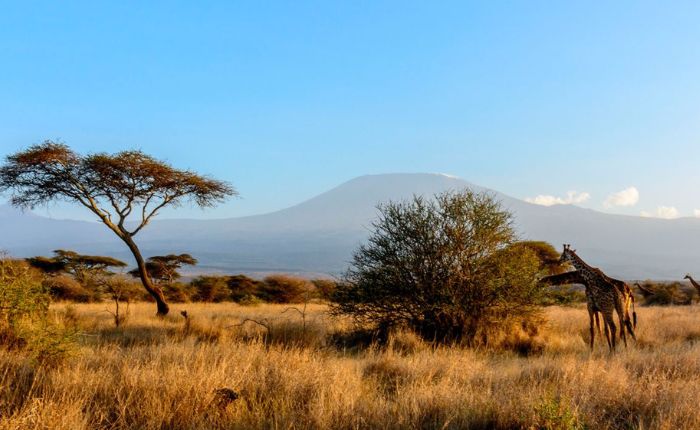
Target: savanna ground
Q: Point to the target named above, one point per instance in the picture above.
(153, 373)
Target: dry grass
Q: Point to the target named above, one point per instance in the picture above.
(152, 373)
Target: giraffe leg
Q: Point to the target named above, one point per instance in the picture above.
(631, 327)
(606, 331)
(591, 314)
(621, 318)
(597, 322)
(610, 322)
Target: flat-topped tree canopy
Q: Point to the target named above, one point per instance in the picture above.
(164, 268)
(78, 265)
(128, 187)
(110, 185)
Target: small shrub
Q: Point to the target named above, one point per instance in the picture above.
(48, 343)
(249, 300)
(64, 287)
(325, 288)
(211, 288)
(665, 294)
(286, 289)
(177, 292)
(243, 288)
(555, 414)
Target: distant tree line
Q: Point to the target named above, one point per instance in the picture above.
(71, 276)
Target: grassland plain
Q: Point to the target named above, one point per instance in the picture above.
(154, 373)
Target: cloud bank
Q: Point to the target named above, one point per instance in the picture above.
(665, 212)
(571, 198)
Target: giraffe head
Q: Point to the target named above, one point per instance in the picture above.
(567, 256)
(687, 276)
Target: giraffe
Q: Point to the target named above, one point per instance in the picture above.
(605, 295)
(646, 292)
(572, 277)
(576, 277)
(692, 281)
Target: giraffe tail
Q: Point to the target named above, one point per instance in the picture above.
(634, 314)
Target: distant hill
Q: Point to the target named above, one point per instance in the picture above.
(319, 235)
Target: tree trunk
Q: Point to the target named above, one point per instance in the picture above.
(152, 289)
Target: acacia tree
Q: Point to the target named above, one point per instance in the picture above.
(82, 267)
(164, 268)
(112, 186)
(449, 267)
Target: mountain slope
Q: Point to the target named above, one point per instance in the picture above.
(319, 234)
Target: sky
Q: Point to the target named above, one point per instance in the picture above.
(591, 103)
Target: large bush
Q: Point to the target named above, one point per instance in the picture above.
(22, 296)
(449, 267)
(24, 304)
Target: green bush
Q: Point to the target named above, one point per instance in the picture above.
(23, 297)
(556, 414)
(450, 268)
(24, 305)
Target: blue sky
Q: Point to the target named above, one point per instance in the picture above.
(288, 99)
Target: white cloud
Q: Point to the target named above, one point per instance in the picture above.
(666, 212)
(696, 213)
(627, 197)
(571, 197)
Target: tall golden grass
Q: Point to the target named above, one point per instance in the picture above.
(155, 373)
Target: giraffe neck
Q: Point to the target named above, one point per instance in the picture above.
(579, 264)
(692, 281)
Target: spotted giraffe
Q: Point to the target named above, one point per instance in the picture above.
(695, 284)
(604, 295)
(572, 277)
(576, 277)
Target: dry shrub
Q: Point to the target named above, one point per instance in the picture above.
(666, 294)
(243, 289)
(286, 289)
(325, 288)
(210, 288)
(177, 292)
(64, 287)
